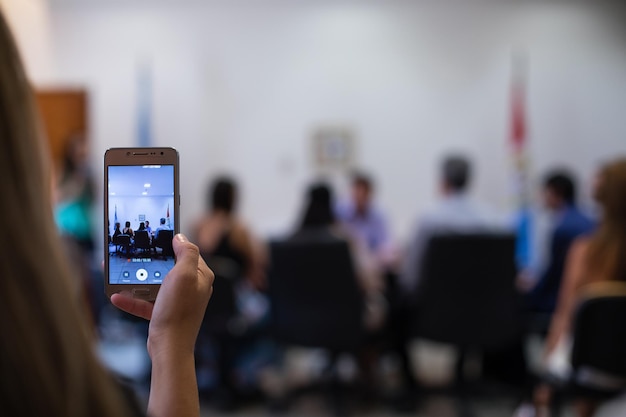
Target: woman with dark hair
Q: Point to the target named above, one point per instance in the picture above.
(238, 261)
(221, 234)
(116, 230)
(128, 230)
(319, 216)
(319, 212)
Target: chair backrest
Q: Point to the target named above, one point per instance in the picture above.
(142, 240)
(599, 334)
(223, 305)
(164, 241)
(123, 240)
(466, 295)
(314, 295)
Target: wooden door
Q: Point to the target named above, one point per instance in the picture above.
(64, 115)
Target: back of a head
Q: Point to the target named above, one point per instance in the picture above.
(222, 195)
(319, 210)
(456, 172)
(48, 364)
(561, 183)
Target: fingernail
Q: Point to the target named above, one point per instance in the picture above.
(181, 238)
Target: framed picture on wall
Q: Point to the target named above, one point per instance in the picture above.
(333, 148)
(142, 217)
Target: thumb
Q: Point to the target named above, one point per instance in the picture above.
(186, 252)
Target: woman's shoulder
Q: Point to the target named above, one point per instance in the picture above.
(238, 227)
(580, 247)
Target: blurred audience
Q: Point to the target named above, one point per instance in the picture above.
(591, 259)
(456, 212)
(568, 223)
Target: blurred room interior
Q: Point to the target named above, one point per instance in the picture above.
(278, 94)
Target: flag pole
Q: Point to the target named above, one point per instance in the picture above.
(519, 146)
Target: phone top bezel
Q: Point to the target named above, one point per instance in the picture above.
(130, 157)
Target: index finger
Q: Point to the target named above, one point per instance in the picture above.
(134, 306)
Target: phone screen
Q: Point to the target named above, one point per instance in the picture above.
(141, 209)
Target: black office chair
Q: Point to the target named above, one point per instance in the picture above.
(466, 297)
(221, 310)
(222, 328)
(599, 336)
(142, 241)
(163, 240)
(315, 298)
(122, 242)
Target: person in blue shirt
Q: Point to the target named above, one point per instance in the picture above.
(568, 223)
(364, 221)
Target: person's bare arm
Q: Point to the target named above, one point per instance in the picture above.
(255, 254)
(175, 319)
(573, 279)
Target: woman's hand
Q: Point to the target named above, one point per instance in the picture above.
(175, 319)
(177, 313)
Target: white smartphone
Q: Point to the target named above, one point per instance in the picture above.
(141, 205)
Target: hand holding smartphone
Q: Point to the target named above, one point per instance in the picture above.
(141, 205)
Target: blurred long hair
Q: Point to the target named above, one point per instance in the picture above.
(46, 355)
(319, 209)
(222, 195)
(607, 250)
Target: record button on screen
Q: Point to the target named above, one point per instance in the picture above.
(142, 274)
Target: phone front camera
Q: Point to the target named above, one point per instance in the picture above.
(127, 153)
(161, 153)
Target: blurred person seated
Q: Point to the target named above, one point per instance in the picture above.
(49, 363)
(567, 224)
(148, 228)
(161, 226)
(595, 258)
(319, 218)
(120, 244)
(116, 231)
(365, 221)
(220, 233)
(75, 194)
(230, 342)
(454, 213)
(74, 197)
(127, 230)
(142, 227)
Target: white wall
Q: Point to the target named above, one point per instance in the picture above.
(239, 86)
(30, 23)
